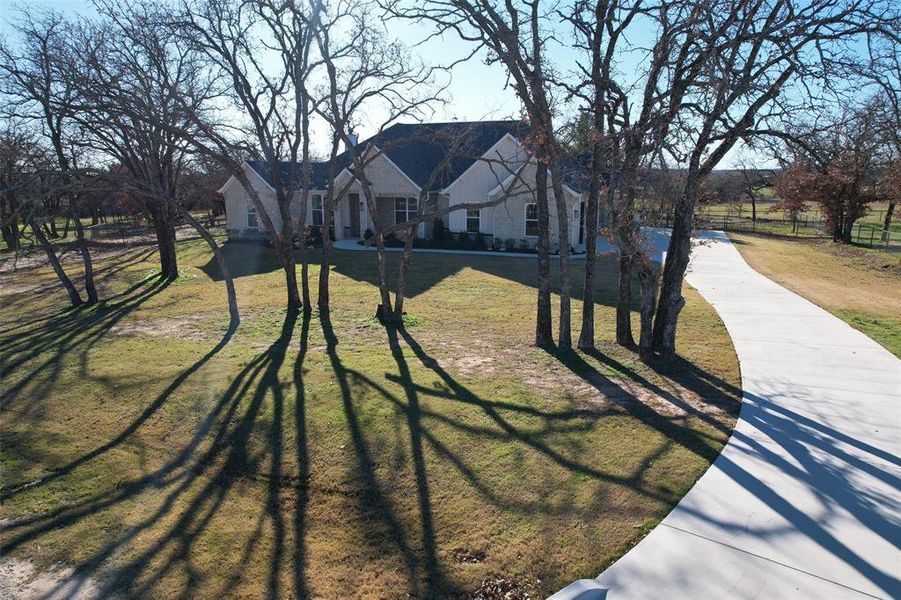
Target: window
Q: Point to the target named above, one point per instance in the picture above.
(532, 219)
(405, 209)
(252, 218)
(472, 220)
(317, 210)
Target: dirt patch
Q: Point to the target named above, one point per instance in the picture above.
(13, 289)
(21, 580)
(184, 327)
(467, 556)
(501, 588)
(483, 358)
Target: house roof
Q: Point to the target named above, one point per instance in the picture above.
(575, 172)
(418, 150)
(282, 172)
(421, 150)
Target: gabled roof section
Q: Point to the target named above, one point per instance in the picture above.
(417, 149)
(575, 171)
(421, 150)
(282, 173)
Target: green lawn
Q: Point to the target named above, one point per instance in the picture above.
(859, 285)
(331, 457)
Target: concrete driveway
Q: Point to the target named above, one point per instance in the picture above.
(805, 499)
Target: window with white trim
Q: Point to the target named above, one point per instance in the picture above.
(317, 215)
(473, 220)
(253, 221)
(405, 209)
(532, 219)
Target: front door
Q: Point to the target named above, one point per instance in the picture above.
(353, 202)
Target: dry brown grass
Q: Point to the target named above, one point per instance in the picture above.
(332, 458)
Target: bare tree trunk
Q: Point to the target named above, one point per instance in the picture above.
(384, 311)
(234, 315)
(402, 276)
(165, 238)
(284, 244)
(90, 287)
(847, 230)
(9, 221)
(544, 337)
(887, 223)
(285, 250)
(564, 340)
(671, 301)
(305, 270)
(624, 302)
(325, 263)
(586, 335)
(63, 160)
(648, 277)
(74, 296)
(753, 207)
(11, 235)
(627, 234)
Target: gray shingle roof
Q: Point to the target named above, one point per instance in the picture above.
(419, 150)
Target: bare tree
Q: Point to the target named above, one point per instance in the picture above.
(592, 22)
(753, 180)
(22, 162)
(751, 53)
(365, 70)
(634, 116)
(514, 34)
(127, 70)
(236, 38)
(36, 83)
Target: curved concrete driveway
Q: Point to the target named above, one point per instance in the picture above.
(805, 499)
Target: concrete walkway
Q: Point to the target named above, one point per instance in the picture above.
(805, 499)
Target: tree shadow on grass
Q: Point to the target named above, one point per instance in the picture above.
(504, 428)
(66, 333)
(374, 501)
(239, 440)
(108, 270)
(428, 270)
(691, 439)
(195, 483)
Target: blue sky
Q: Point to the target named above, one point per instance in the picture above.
(477, 91)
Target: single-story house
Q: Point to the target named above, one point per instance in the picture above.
(448, 164)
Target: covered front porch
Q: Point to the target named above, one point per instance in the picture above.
(353, 215)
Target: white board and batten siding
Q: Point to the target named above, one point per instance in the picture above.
(388, 181)
(475, 183)
(237, 200)
(510, 216)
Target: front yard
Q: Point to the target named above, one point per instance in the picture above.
(331, 457)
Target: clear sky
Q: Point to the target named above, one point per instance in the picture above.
(477, 91)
